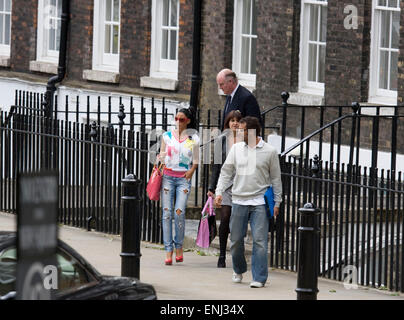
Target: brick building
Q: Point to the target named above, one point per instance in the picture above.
(321, 52)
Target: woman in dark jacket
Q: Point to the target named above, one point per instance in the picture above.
(224, 146)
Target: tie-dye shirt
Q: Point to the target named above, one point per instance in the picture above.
(179, 153)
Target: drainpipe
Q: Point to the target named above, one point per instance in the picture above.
(196, 56)
(51, 86)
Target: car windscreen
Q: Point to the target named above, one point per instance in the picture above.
(70, 273)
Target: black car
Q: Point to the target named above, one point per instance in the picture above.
(77, 279)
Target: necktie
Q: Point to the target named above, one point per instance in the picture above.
(227, 104)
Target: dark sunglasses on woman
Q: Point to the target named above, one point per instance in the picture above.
(180, 119)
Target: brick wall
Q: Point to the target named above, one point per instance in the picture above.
(80, 39)
(23, 34)
(217, 42)
(185, 45)
(344, 55)
(135, 41)
(400, 84)
(278, 47)
(274, 50)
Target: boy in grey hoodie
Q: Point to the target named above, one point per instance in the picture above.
(256, 166)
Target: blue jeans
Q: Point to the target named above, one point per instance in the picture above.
(181, 188)
(259, 228)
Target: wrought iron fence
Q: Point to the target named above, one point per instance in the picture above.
(361, 219)
(361, 205)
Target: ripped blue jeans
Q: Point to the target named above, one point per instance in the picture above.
(181, 188)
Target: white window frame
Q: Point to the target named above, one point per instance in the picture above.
(246, 79)
(306, 86)
(162, 68)
(5, 48)
(46, 20)
(104, 61)
(376, 94)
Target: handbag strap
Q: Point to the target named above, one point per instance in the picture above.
(211, 209)
(206, 206)
(209, 203)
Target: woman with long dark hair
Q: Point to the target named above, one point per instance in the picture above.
(231, 125)
(179, 153)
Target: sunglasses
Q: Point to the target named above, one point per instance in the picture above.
(180, 119)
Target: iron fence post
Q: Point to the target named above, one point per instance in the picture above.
(121, 116)
(307, 265)
(91, 220)
(285, 96)
(131, 226)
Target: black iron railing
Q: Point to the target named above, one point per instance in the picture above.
(361, 220)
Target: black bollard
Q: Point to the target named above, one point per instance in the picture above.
(131, 226)
(309, 239)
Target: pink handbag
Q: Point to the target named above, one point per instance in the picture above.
(207, 226)
(154, 184)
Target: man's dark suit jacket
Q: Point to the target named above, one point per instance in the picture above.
(245, 102)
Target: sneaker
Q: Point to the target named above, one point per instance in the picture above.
(237, 277)
(256, 284)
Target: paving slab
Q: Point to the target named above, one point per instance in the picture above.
(197, 278)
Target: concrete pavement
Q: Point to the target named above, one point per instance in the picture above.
(197, 278)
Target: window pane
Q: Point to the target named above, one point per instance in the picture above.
(70, 273)
(385, 29)
(393, 71)
(323, 26)
(164, 45)
(116, 40)
(174, 17)
(166, 12)
(383, 72)
(107, 48)
(321, 65)
(8, 267)
(245, 54)
(59, 8)
(1, 29)
(8, 5)
(312, 67)
(1, 5)
(393, 3)
(173, 45)
(395, 30)
(246, 22)
(116, 10)
(7, 31)
(108, 13)
(253, 56)
(313, 33)
(58, 34)
(382, 2)
(254, 17)
(52, 44)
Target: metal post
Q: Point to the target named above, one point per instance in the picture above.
(91, 220)
(196, 56)
(131, 226)
(285, 96)
(307, 267)
(47, 104)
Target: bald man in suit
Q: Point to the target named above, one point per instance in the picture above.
(238, 97)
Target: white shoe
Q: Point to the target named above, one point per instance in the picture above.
(237, 277)
(256, 284)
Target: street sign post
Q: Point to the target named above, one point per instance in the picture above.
(37, 234)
